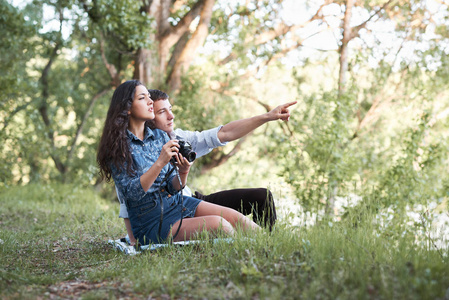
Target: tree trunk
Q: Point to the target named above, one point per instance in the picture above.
(197, 40)
(150, 65)
(43, 110)
(347, 36)
(144, 65)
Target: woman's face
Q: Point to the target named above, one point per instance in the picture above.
(142, 105)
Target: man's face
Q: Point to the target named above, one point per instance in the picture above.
(163, 116)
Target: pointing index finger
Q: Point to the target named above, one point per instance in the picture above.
(288, 104)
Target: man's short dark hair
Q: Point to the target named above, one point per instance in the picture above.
(157, 95)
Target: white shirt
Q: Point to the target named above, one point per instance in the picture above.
(202, 143)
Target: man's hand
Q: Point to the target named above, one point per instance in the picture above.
(281, 112)
(236, 129)
(182, 163)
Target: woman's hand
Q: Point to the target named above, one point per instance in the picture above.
(169, 150)
(181, 162)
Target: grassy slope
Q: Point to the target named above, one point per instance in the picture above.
(53, 244)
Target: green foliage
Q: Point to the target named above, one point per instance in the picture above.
(32, 145)
(16, 45)
(318, 156)
(16, 48)
(238, 30)
(416, 165)
(200, 109)
(123, 21)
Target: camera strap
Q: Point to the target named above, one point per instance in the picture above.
(162, 201)
(171, 136)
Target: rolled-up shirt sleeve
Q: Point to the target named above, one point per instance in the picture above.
(132, 188)
(129, 186)
(123, 213)
(202, 142)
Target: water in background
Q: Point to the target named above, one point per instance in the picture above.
(430, 221)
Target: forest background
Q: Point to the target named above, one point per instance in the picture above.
(369, 132)
(370, 78)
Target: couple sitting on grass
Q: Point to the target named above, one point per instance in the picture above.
(137, 153)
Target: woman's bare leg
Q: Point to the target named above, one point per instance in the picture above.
(232, 216)
(212, 217)
(191, 227)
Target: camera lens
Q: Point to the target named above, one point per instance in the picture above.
(186, 150)
(190, 156)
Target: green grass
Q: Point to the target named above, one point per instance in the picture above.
(54, 245)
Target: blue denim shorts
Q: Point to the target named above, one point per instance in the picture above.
(146, 214)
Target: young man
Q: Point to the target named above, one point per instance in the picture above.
(259, 201)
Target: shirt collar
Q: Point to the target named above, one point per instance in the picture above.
(148, 134)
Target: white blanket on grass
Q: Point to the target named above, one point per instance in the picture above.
(123, 246)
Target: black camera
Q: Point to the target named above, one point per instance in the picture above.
(186, 150)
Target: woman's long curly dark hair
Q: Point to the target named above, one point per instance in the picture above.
(114, 146)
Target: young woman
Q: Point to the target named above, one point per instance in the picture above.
(138, 158)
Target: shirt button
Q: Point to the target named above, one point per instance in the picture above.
(183, 209)
(162, 190)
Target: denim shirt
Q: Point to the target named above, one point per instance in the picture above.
(144, 154)
(202, 143)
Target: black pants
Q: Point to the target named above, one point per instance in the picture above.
(258, 202)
